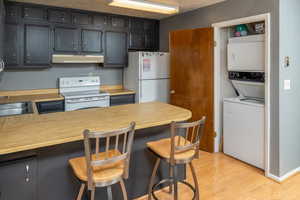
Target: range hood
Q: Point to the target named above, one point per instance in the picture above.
(59, 58)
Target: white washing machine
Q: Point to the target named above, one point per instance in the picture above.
(243, 129)
(244, 118)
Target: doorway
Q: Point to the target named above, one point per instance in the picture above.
(220, 62)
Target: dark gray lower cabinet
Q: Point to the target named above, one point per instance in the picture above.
(122, 99)
(115, 49)
(18, 179)
(37, 45)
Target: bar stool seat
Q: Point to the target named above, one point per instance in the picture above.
(176, 151)
(106, 161)
(163, 148)
(100, 173)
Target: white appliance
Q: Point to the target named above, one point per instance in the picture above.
(244, 118)
(244, 130)
(82, 93)
(148, 74)
(246, 53)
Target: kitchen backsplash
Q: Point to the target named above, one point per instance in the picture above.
(42, 79)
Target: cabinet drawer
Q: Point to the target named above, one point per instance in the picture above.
(122, 99)
(58, 16)
(50, 106)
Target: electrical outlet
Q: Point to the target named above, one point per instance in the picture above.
(287, 84)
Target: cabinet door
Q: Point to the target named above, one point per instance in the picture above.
(122, 99)
(34, 13)
(11, 47)
(12, 13)
(58, 16)
(150, 40)
(136, 24)
(81, 18)
(66, 39)
(137, 40)
(100, 20)
(37, 45)
(118, 22)
(18, 180)
(115, 49)
(91, 41)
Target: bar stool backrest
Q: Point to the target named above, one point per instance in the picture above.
(111, 141)
(193, 132)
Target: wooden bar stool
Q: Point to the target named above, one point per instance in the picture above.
(103, 169)
(177, 150)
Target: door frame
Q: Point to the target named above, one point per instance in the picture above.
(217, 79)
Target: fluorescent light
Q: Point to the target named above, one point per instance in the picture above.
(145, 6)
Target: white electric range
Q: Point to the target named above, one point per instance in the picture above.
(82, 93)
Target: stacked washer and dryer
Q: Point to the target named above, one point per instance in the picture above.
(244, 115)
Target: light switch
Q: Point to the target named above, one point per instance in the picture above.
(287, 84)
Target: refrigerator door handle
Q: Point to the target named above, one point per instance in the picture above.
(141, 90)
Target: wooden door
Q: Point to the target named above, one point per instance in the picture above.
(192, 77)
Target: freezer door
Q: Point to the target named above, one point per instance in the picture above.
(154, 90)
(154, 65)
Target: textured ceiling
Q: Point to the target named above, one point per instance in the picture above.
(101, 6)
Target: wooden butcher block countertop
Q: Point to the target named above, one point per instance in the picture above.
(27, 132)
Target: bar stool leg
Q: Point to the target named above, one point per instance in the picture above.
(109, 193)
(175, 182)
(93, 194)
(171, 175)
(152, 178)
(123, 189)
(81, 190)
(195, 181)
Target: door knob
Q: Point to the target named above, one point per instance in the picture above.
(172, 92)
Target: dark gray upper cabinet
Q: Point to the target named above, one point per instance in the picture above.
(20, 176)
(81, 18)
(2, 16)
(59, 16)
(91, 41)
(100, 20)
(119, 22)
(35, 32)
(34, 13)
(143, 34)
(66, 39)
(37, 45)
(115, 49)
(12, 45)
(12, 13)
(137, 40)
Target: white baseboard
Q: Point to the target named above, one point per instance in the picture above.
(284, 177)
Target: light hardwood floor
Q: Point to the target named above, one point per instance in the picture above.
(224, 178)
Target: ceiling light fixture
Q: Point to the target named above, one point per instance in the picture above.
(145, 6)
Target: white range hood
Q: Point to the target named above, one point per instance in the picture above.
(60, 58)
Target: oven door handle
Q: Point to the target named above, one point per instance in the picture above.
(72, 102)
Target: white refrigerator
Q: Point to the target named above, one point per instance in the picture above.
(148, 74)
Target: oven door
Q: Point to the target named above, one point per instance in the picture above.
(85, 103)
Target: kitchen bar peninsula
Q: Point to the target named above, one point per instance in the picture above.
(35, 149)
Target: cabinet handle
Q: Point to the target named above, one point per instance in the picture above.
(172, 92)
(27, 173)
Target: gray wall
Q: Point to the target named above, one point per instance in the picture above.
(232, 9)
(289, 99)
(47, 78)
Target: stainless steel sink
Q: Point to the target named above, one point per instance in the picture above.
(19, 108)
